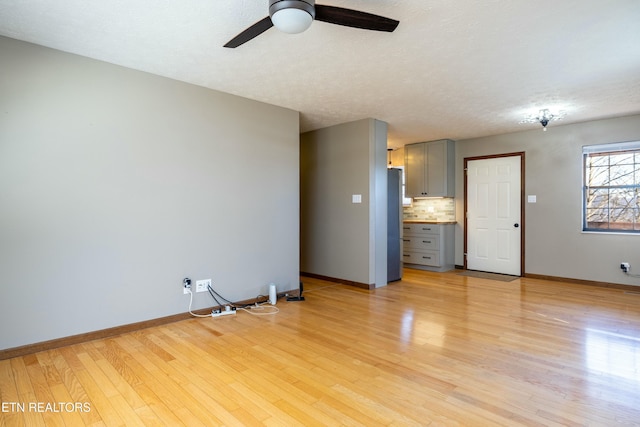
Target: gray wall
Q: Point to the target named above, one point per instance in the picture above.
(378, 208)
(340, 239)
(116, 184)
(554, 242)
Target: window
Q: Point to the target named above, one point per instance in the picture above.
(406, 201)
(611, 189)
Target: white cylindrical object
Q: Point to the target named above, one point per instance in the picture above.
(273, 297)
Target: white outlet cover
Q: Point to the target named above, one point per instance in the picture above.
(356, 198)
(202, 285)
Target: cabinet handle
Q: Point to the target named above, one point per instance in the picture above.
(406, 228)
(426, 257)
(406, 240)
(426, 241)
(406, 255)
(426, 228)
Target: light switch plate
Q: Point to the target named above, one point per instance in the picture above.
(356, 198)
(531, 198)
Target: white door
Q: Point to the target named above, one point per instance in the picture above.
(494, 214)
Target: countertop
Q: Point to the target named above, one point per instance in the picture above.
(422, 221)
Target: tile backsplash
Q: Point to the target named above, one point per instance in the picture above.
(431, 210)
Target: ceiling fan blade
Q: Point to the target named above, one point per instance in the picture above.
(354, 18)
(253, 31)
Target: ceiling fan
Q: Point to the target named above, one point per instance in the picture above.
(295, 16)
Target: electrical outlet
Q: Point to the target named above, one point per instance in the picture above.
(186, 286)
(202, 285)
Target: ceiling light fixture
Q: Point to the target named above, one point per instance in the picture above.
(543, 117)
(292, 16)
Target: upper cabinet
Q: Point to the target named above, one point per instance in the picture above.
(429, 169)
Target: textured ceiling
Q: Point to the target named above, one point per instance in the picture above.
(452, 69)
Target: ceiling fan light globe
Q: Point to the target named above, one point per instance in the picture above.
(291, 20)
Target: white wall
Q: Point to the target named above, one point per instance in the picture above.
(117, 184)
(554, 242)
(340, 239)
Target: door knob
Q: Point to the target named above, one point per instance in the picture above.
(516, 225)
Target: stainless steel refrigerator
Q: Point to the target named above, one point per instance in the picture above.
(394, 225)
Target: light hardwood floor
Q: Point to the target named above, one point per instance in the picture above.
(433, 349)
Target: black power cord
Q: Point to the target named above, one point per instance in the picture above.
(214, 294)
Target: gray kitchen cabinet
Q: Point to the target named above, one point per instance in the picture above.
(429, 169)
(428, 246)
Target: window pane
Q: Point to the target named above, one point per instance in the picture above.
(621, 215)
(598, 198)
(621, 159)
(622, 175)
(621, 219)
(623, 198)
(598, 160)
(597, 176)
(598, 215)
(598, 218)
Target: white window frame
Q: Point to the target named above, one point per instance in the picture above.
(616, 196)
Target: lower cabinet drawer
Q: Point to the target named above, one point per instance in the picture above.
(422, 243)
(422, 258)
(420, 229)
